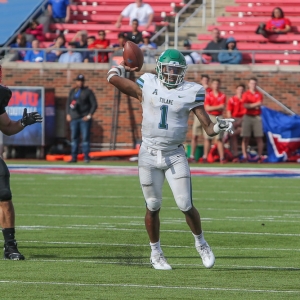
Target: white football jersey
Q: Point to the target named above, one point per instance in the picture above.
(166, 111)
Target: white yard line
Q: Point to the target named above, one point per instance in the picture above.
(147, 246)
(148, 286)
(106, 228)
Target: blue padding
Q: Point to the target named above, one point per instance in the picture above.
(13, 13)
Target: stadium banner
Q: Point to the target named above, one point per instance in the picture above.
(283, 135)
(32, 98)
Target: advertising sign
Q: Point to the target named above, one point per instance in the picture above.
(31, 98)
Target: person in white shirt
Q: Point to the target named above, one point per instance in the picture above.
(143, 12)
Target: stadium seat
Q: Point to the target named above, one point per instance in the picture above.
(243, 28)
(115, 9)
(262, 10)
(252, 20)
(283, 38)
(267, 2)
(256, 46)
(94, 27)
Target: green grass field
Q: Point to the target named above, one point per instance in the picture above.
(84, 238)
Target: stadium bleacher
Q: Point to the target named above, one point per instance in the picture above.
(243, 22)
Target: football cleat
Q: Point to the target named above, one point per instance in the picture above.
(11, 251)
(208, 258)
(159, 262)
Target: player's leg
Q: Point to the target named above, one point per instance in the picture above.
(75, 136)
(179, 179)
(246, 134)
(7, 216)
(151, 180)
(220, 147)
(258, 134)
(85, 127)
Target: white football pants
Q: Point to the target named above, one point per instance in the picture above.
(155, 166)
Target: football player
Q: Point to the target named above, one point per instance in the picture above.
(167, 100)
(7, 213)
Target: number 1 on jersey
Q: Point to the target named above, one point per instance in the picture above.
(163, 118)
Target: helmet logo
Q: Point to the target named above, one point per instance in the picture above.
(174, 62)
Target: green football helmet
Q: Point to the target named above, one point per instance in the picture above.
(171, 67)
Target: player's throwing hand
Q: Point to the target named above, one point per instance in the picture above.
(31, 118)
(224, 125)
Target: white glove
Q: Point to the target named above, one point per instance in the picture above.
(223, 125)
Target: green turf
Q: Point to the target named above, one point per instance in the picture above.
(84, 238)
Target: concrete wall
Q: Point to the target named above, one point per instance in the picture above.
(282, 82)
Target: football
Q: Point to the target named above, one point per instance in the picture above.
(133, 55)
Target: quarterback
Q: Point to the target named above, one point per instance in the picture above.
(167, 100)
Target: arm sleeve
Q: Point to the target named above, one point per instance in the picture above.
(269, 25)
(149, 9)
(223, 57)
(199, 98)
(229, 105)
(126, 11)
(68, 102)
(237, 58)
(93, 102)
(288, 22)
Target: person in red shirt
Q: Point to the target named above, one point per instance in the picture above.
(235, 109)
(278, 23)
(101, 43)
(35, 31)
(252, 122)
(214, 105)
(197, 128)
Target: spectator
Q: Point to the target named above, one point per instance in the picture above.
(232, 56)
(80, 38)
(252, 122)
(89, 56)
(143, 12)
(35, 32)
(122, 39)
(101, 43)
(35, 55)
(81, 105)
(235, 109)
(148, 48)
(59, 10)
(52, 53)
(70, 56)
(214, 105)
(197, 127)
(135, 35)
(277, 24)
(216, 44)
(20, 43)
(191, 57)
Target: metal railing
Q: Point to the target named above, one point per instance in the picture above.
(249, 56)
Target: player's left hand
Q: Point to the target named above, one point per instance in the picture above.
(225, 124)
(31, 118)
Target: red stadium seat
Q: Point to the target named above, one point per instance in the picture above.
(268, 2)
(262, 10)
(94, 27)
(283, 38)
(243, 28)
(252, 20)
(257, 46)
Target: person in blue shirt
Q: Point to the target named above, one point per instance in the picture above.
(59, 10)
(20, 43)
(71, 56)
(35, 55)
(232, 56)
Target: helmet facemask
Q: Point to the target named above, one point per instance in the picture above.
(171, 74)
